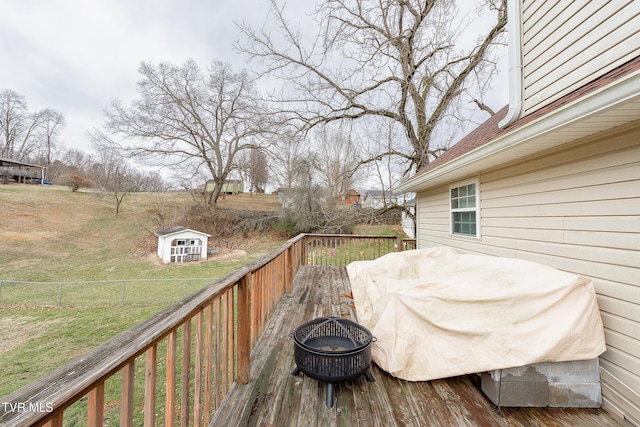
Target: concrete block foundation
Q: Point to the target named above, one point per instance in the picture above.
(574, 384)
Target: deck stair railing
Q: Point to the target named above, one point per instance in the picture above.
(175, 367)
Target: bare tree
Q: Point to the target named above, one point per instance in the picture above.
(55, 170)
(402, 60)
(18, 126)
(336, 161)
(149, 181)
(285, 155)
(385, 171)
(110, 172)
(76, 161)
(189, 119)
(307, 188)
(254, 168)
(52, 122)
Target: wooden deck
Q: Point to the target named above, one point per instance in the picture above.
(274, 397)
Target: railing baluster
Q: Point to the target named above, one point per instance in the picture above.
(186, 373)
(208, 361)
(272, 290)
(56, 421)
(197, 395)
(259, 289)
(231, 340)
(255, 304)
(95, 406)
(218, 339)
(151, 371)
(126, 394)
(224, 331)
(244, 330)
(279, 277)
(170, 400)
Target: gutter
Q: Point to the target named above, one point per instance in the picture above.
(514, 31)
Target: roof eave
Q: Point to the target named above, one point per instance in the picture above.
(520, 142)
(186, 230)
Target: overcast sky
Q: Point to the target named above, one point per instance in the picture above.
(75, 55)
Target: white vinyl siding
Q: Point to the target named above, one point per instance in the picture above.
(578, 210)
(568, 43)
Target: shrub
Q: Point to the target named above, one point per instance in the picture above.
(75, 182)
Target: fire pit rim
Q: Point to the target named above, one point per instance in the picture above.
(320, 321)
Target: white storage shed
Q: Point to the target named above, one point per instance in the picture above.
(180, 244)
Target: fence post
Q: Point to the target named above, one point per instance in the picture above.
(60, 296)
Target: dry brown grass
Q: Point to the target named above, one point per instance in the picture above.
(16, 331)
(247, 201)
(48, 233)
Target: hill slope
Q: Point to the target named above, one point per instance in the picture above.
(48, 233)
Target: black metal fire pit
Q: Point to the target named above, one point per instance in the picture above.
(332, 350)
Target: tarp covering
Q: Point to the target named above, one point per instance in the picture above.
(437, 313)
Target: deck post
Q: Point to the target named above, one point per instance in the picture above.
(244, 329)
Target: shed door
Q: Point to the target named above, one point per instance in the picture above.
(185, 250)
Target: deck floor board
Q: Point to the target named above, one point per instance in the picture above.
(274, 397)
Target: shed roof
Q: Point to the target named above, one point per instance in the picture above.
(380, 193)
(177, 230)
(6, 162)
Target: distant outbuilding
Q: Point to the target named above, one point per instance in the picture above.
(230, 186)
(180, 244)
(20, 172)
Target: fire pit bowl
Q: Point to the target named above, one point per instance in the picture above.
(332, 350)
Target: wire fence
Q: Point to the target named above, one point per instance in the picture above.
(98, 293)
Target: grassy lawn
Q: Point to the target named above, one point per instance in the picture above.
(50, 234)
(38, 340)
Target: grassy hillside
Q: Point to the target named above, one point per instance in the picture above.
(48, 233)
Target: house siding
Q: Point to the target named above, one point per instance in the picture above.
(569, 43)
(578, 210)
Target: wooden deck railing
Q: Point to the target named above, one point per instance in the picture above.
(176, 367)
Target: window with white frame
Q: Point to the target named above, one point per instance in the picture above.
(465, 208)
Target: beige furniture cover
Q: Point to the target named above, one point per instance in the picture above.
(437, 313)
